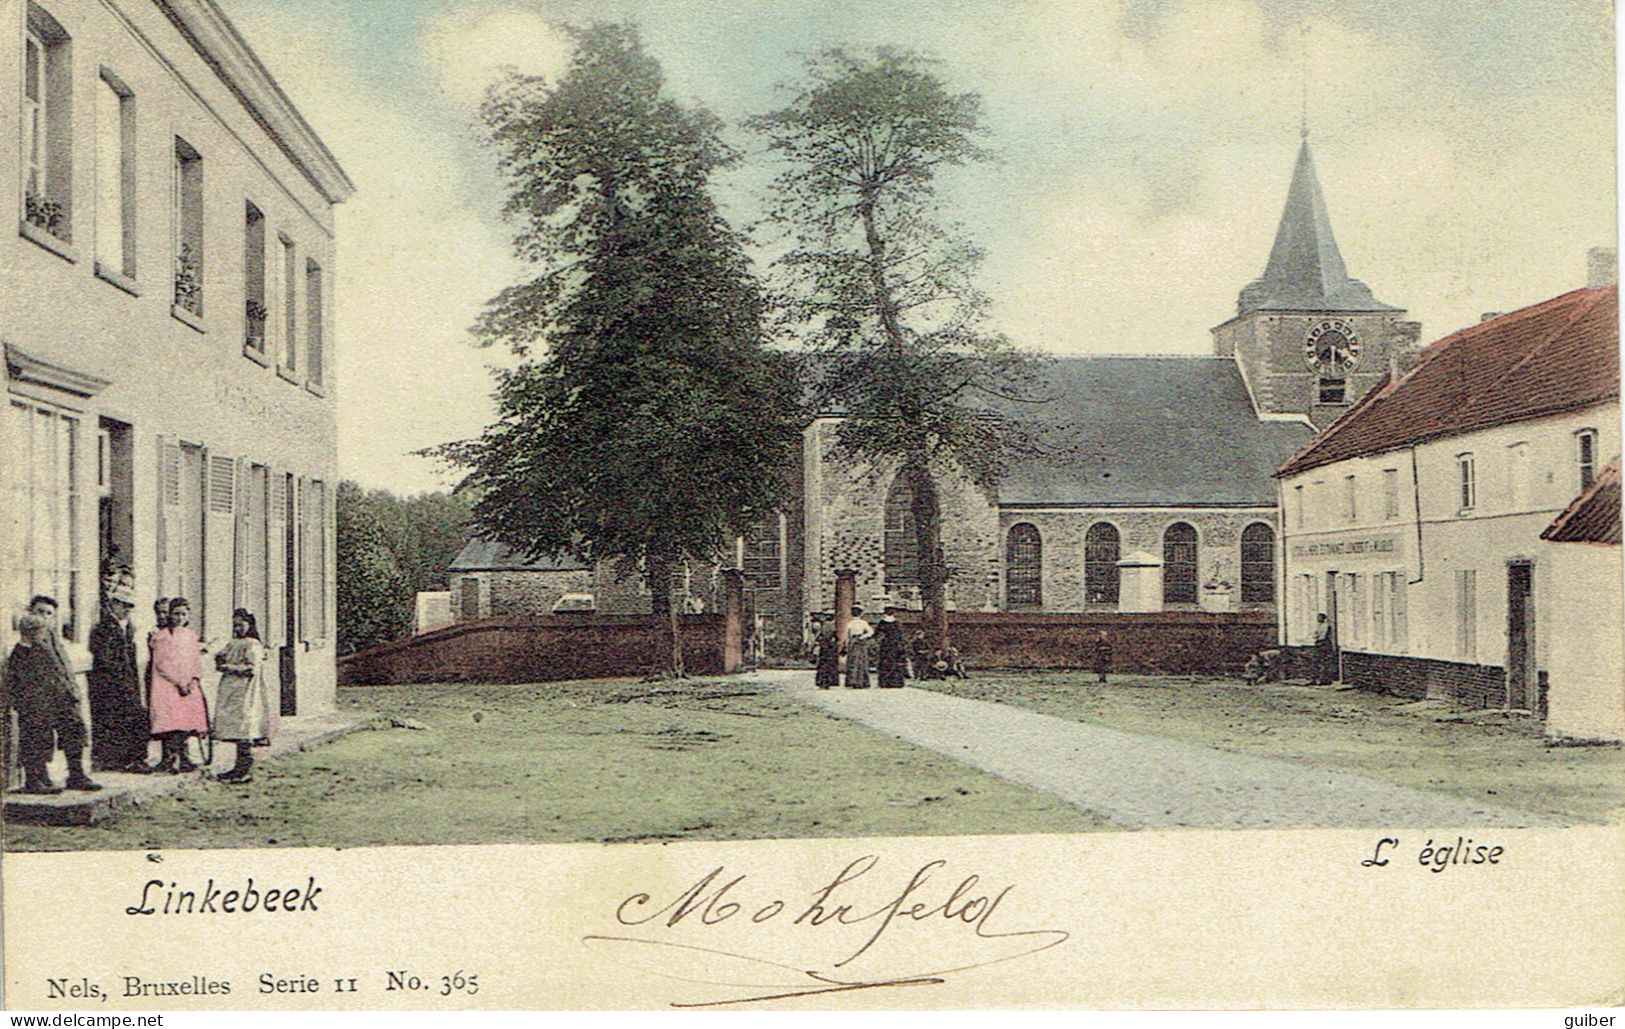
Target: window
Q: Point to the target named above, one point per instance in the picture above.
(1102, 548)
(1518, 476)
(254, 310)
(313, 322)
(761, 554)
(1390, 493)
(290, 306)
(43, 517)
(468, 597)
(1586, 452)
(1467, 615)
(115, 176)
(1351, 500)
(1333, 391)
(47, 144)
(1023, 567)
(1179, 564)
(901, 546)
(188, 214)
(1469, 484)
(1297, 496)
(1258, 564)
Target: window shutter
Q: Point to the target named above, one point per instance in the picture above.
(300, 527)
(219, 544)
(169, 516)
(276, 545)
(240, 556)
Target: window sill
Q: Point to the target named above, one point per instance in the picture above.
(316, 389)
(61, 248)
(187, 318)
(118, 279)
(284, 372)
(256, 355)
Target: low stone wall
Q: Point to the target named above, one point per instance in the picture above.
(1159, 643)
(536, 649)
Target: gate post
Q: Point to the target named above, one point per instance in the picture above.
(733, 619)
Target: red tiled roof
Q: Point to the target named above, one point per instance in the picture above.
(1593, 517)
(1556, 356)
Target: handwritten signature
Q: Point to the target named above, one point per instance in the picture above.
(717, 899)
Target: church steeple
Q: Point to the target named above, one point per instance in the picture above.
(1305, 270)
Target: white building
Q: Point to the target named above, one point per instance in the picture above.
(1415, 521)
(166, 313)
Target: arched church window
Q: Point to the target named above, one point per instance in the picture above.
(1258, 564)
(901, 550)
(1179, 564)
(1102, 549)
(1023, 567)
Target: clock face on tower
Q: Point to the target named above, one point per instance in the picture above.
(1332, 349)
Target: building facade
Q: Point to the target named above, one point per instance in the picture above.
(1415, 522)
(166, 311)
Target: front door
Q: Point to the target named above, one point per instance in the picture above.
(1523, 681)
(290, 598)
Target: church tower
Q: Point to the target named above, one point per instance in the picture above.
(1310, 340)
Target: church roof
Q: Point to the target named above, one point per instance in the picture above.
(483, 555)
(1557, 356)
(1305, 270)
(1593, 517)
(1149, 432)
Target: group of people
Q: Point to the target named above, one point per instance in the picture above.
(129, 709)
(895, 658)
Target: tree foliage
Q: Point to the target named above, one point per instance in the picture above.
(389, 549)
(882, 288)
(646, 420)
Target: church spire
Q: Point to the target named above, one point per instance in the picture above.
(1305, 270)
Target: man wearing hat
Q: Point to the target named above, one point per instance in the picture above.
(118, 720)
(39, 687)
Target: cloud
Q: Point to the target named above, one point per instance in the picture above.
(469, 48)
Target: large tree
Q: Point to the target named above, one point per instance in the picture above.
(881, 286)
(374, 598)
(646, 423)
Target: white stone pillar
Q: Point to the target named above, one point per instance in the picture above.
(1139, 583)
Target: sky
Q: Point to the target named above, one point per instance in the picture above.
(1466, 151)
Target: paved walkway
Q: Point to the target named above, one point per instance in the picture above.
(1144, 782)
(121, 790)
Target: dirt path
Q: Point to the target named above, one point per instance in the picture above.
(1144, 781)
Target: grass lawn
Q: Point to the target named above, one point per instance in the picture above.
(599, 761)
(1506, 763)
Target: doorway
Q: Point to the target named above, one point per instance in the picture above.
(1523, 681)
(290, 598)
(115, 505)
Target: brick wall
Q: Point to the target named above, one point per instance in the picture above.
(1474, 685)
(1164, 642)
(535, 649)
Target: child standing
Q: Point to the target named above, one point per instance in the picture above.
(175, 692)
(244, 713)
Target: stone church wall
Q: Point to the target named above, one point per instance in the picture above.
(845, 528)
(1062, 532)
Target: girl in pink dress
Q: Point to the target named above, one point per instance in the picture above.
(175, 694)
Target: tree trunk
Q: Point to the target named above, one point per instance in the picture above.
(927, 511)
(667, 612)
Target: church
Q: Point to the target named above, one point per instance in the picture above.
(1164, 501)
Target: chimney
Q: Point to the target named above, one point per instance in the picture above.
(1489, 315)
(1602, 267)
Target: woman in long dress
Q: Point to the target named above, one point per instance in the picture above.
(892, 667)
(175, 694)
(858, 634)
(244, 713)
(827, 651)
